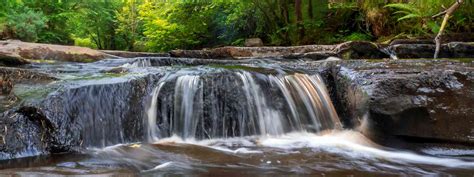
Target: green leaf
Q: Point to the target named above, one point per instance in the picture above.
(409, 16)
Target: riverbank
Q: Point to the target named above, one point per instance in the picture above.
(16, 53)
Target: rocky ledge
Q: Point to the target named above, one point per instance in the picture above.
(15, 53)
(347, 50)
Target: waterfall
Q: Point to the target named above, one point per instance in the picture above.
(238, 103)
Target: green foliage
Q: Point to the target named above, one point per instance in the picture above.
(356, 36)
(408, 11)
(84, 42)
(145, 25)
(130, 26)
(26, 24)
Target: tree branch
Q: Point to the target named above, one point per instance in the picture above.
(447, 13)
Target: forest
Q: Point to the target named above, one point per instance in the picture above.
(154, 26)
(236, 88)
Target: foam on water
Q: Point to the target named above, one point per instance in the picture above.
(346, 143)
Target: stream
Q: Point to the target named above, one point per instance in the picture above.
(196, 117)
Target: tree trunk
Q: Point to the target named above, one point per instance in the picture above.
(310, 9)
(447, 13)
(286, 17)
(299, 19)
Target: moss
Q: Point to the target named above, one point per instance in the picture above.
(347, 55)
(462, 60)
(31, 92)
(96, 76)
(87, 60)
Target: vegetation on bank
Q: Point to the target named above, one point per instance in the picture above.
(146, 25)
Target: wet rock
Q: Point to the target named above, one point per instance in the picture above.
(19, 136)
(410, 100)
(127, 54)
(116, 70)
(310, 55)
(9, 77)
(253, 42)
(23, 75)
(13, 52)
(72, 118)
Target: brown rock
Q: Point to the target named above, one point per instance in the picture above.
(253, 42)
(17, 51)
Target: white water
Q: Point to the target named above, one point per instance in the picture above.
(302, 104)
(348, 144)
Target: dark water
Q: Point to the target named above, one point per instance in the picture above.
(212, 118)
(338, 153)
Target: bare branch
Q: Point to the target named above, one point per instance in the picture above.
(447, 14)
(439, 14)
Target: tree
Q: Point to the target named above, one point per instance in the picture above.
(129, 24)
(26, 25)
(299, 19)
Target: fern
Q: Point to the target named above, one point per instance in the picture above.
(410, 11)
(409, 16)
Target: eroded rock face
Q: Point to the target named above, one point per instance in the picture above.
(420, 100)
(95, 115)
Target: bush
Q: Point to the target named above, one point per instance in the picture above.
(26, 24)
(356, 36)
(84, 42)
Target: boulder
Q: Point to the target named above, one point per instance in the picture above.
(14, 52)
(411, 100)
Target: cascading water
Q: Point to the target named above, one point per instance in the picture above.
(168, 116)
(239, 103)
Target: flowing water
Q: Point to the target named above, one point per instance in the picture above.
(237, 118)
